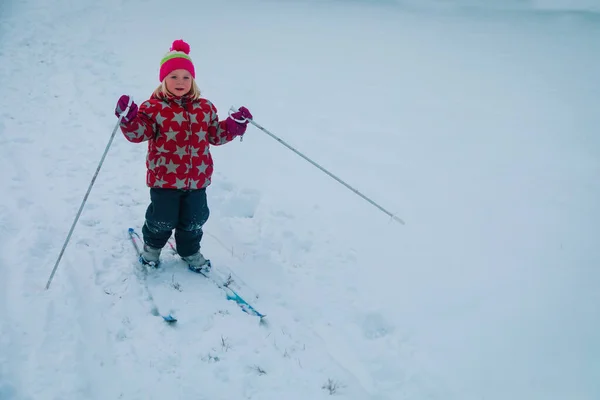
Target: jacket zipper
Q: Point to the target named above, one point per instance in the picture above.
(189, 143)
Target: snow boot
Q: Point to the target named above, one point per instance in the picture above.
(150, 255)
(197, 263)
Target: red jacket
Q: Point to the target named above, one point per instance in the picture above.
(179, 132)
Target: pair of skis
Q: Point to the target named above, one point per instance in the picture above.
(223, 285)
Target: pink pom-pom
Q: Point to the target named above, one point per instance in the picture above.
(180, 45)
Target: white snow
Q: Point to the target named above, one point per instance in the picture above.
(478, 126)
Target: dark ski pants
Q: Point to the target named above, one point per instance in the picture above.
(186, 211)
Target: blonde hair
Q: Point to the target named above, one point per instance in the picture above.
(161, 90)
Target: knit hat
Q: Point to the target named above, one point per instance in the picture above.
(177, 58)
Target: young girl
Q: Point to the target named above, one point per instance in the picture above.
(179, 126)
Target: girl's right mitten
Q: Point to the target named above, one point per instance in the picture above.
(122, 105)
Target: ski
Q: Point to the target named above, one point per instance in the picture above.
(225, 286)
(208, 272)
(169, 319)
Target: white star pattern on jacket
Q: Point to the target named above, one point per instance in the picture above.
(202, 168)
(179, 118)
(160, 119)
(176, 139)
(171, 167)
(181, 151)
(171, 134)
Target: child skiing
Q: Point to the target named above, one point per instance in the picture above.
(179, 126)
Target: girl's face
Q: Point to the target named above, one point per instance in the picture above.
(179, 82)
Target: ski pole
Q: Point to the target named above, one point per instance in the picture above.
(112, 136)
(394, 217)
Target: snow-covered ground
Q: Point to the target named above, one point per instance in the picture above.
(478, 126)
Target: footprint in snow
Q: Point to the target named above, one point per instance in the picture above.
(375, 326)
(242, 204)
